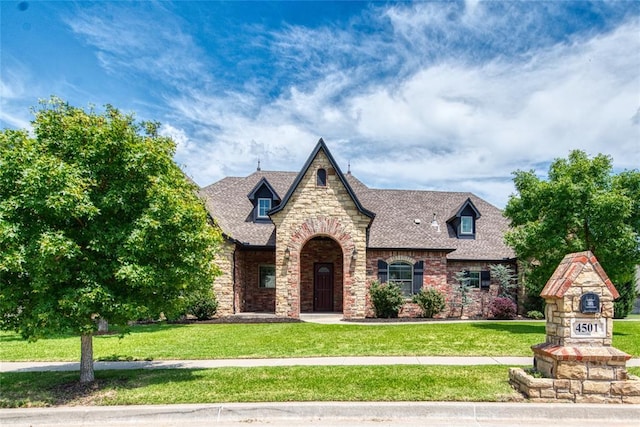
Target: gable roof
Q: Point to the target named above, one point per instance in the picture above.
(569, 269)
(458, 213)
(392, 227)
(263, 182)
(321, 146)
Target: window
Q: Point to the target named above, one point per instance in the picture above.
(401, 274)
(264, 206)
(474, 279)
(321, 176)
(267, 276)
(466, 225)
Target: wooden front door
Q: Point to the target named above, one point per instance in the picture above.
(323, 287)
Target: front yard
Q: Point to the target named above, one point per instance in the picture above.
(224, 341)
(309, 383)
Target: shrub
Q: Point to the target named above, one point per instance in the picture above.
(203, 305)
(430, 300)
(386, 299)
(535, 314)
(503, 308)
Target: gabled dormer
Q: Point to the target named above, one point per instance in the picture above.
(264, 198)
(464, 220)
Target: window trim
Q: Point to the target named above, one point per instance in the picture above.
(262, 274)
(470, 224)
(407, 281)
(259, 208)
(474, 282)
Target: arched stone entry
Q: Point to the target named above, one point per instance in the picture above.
(295, 261)
(321, 276)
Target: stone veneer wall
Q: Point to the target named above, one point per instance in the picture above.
(560, 311)
(223, 284)
(314, 211)
(593, 385)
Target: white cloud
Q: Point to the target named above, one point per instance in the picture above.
(451, 96)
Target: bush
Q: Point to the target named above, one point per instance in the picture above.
(430, 300)
(503, 308)
(386, 299)
(535, 314)
(203, 305)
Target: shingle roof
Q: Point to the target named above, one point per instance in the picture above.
(394, 225)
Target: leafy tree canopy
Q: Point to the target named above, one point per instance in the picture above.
(96, 221)
(582, 206)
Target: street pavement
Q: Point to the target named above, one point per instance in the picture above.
(335, 414)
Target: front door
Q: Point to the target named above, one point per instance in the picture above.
(323, 287)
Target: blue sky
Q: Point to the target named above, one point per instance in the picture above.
(416, 95)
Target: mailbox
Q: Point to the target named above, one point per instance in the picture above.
(590, 303)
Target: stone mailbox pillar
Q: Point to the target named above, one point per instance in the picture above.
(577, 359)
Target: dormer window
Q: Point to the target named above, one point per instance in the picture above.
(264, 206)
(466, 224)
(263, 198)
(464, 220)
(321, 178)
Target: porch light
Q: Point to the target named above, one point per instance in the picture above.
(287, 254)
(354, 254)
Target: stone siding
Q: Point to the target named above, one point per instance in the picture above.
(581, 386)
(312, 211)
(223, 284)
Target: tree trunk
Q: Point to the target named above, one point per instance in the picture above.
(86, 358)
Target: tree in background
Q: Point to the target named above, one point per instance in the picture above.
(507, 280)
(582, 206)
(96, 221)
(463, 289)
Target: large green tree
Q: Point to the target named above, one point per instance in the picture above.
(582, 206)
(96, 221)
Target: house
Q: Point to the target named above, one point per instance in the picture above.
(314, 240)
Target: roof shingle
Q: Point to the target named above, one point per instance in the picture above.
(394, 225)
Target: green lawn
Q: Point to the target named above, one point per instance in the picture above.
(281, 384)
(216, 341)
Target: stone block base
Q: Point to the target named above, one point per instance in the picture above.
(576, 390)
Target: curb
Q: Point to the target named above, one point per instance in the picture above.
(299, 412)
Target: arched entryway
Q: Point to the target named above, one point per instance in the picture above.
(321, 276)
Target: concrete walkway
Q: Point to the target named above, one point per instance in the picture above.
(304, 361)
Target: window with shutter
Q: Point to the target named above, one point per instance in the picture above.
(382, 271)
(485, 280)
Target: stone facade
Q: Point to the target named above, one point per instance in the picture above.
(331, 222)
(583, 385)
(577, 359)
(327, 211)
(223, 286)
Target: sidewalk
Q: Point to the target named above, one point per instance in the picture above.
(305, 361)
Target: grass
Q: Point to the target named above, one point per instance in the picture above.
(280, 384)
(221, 341)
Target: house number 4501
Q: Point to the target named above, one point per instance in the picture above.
(592, 328)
